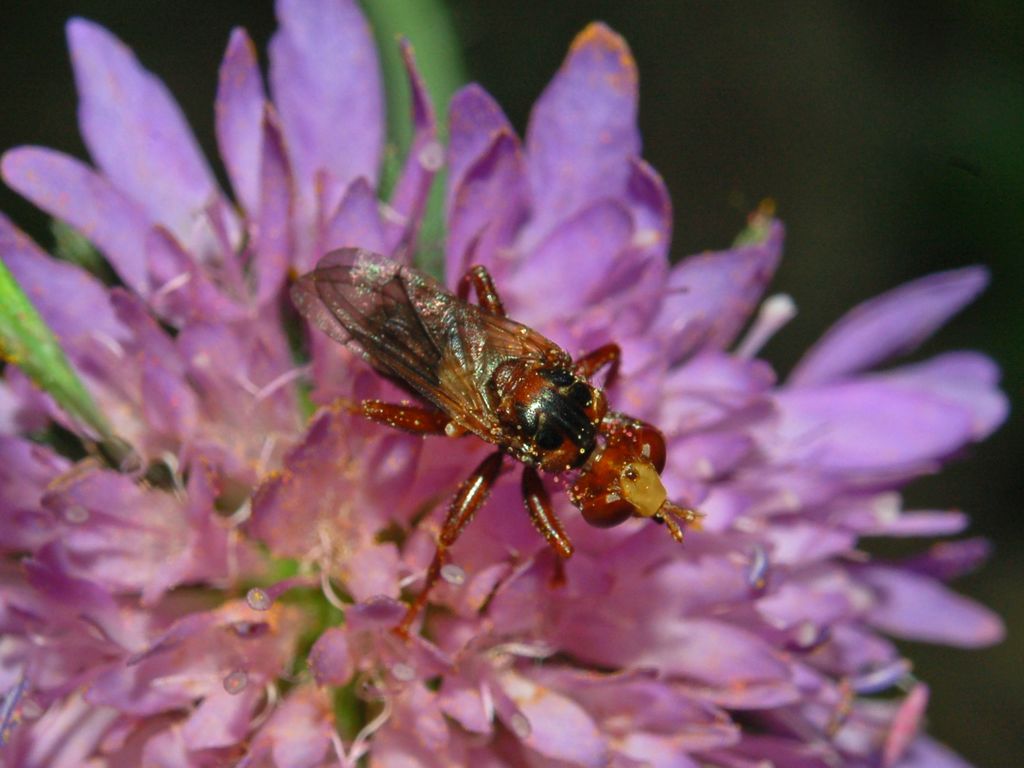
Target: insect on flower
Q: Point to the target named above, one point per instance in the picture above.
(481, 373)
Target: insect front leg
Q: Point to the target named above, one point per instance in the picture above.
(486, 294)
(468, 499)
(538, 504)
(544, 519)
(592, 362)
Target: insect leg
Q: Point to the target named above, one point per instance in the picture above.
(538, 504)
(411, 418)
(486, 294)
(592, 362)
(468, 499)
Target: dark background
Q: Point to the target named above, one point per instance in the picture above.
(891, 136)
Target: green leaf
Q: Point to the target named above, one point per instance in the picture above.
(27, 342)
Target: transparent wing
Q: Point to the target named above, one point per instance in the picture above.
(360, 299)
(404, 324)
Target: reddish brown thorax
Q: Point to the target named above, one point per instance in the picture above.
(555, 414)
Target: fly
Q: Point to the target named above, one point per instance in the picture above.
(477, 371)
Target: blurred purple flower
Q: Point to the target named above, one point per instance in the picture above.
(140, 613)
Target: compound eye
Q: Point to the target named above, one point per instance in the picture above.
(548, 438)
(607, 511)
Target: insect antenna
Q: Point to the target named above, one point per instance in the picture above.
(668, 514)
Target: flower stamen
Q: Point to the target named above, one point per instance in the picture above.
(176, 282)
(775, 312)
(280, 381)
(328, 589)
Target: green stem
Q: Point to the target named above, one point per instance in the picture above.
(427, 25)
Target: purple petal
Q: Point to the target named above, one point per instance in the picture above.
(802, 542)
(889, 325)
(329, 658)
(231, 366)
(559, 277)
(474, 121)
(67, 735)
(372, 572)
(25, 471)
(400, 746)
(925, 524)
(23, 406)
(167, 749)
(147, 338)
(380, 615)
(299, 733)
(464, 703)
(915, 607)
(135, 131)
(168, 402)
(783, 751)
(710, 454)
(583, 133)
(854, 649)
(72, 301)
(714, 653)
(968, 379)
(620, 308)
(307, 496)
(710, 296)
(239, 112)
(817, 599)
(865, 427)
(649, 201)
(326, 83)
(905, 725)
(222, 719)
(883, 516)
(554, 725)
(357, 222)
(273, 238)
(709, 388)
(198, 656)
(425, 721)
(657, 751)
(69, 190)
(946, 560)
(425, 158)
(48, 573)
(653, 710)
(487, 206)
(726, 664)
(127, 538)
(183, 291)
(286, 512)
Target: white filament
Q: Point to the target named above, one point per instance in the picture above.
(774, 313)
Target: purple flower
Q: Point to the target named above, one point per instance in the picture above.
(231, 601)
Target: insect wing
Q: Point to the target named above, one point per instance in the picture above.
(360, 299)
(400, 321)
(507, 338)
